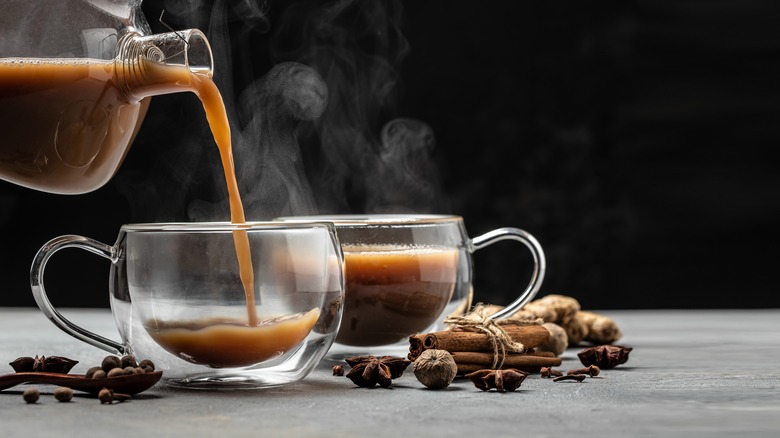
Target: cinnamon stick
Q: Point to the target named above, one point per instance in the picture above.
(531, 336)
(416, 346)
(473, 361)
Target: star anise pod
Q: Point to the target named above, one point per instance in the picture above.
(604, 356)
(51, 364)
(22, 364)
(367, 371)
(502, 380)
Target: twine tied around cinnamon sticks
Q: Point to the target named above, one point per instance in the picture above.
(478, 320)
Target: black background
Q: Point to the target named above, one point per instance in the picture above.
(633, 139)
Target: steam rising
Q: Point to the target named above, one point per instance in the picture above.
(290, 92)
(321, 113)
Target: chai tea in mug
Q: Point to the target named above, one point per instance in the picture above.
(222, 343)
(392, 291)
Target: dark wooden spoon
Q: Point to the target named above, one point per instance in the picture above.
(127, 384)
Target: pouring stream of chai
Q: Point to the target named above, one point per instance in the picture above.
(216, 115)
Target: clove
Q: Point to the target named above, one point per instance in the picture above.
(592, 371)
(577, 377)
(548, 372)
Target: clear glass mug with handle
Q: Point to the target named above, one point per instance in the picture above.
(406, 273)
(181, 297)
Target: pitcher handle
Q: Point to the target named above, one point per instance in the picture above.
(540, 264)
(39, 291)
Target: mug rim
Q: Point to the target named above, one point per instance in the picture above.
(373, 219)
(223, 226)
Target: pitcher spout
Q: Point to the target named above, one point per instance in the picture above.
(162, 63)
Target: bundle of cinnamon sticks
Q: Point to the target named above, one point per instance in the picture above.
(474, 351)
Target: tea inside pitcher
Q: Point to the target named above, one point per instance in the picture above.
(65, 123)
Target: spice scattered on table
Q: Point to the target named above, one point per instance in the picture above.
(108, 396)
(31, 395)
(368, 371)
(570, 377)
(63, 394)
(591, 370)
(547, 372)
(436, 369)
(501, 380)
(605, 356)
(338, 370)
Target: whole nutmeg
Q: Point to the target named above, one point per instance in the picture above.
(63, 394)
(99, 374)
(31, 395)
(435, 369)
(110, 362)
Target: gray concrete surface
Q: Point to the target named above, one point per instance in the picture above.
(691, 374)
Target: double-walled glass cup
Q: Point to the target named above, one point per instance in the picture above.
(216, 304)
(406, 273)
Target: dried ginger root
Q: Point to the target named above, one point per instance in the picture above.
(558, 342)
(576, 329)
(558, 309)
(564, 311)
(601, 329)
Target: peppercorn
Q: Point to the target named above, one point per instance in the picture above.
(110, 362)
(91, 372)
(63, 394)
(146, 363)
(116, 372)
(128, 361)
(31, 395)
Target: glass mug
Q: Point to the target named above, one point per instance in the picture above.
(181, 299)
(405, 273)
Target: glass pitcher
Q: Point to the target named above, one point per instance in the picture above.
(76, 78)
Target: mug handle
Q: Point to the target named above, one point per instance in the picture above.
(540, 263)
(39, 291)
